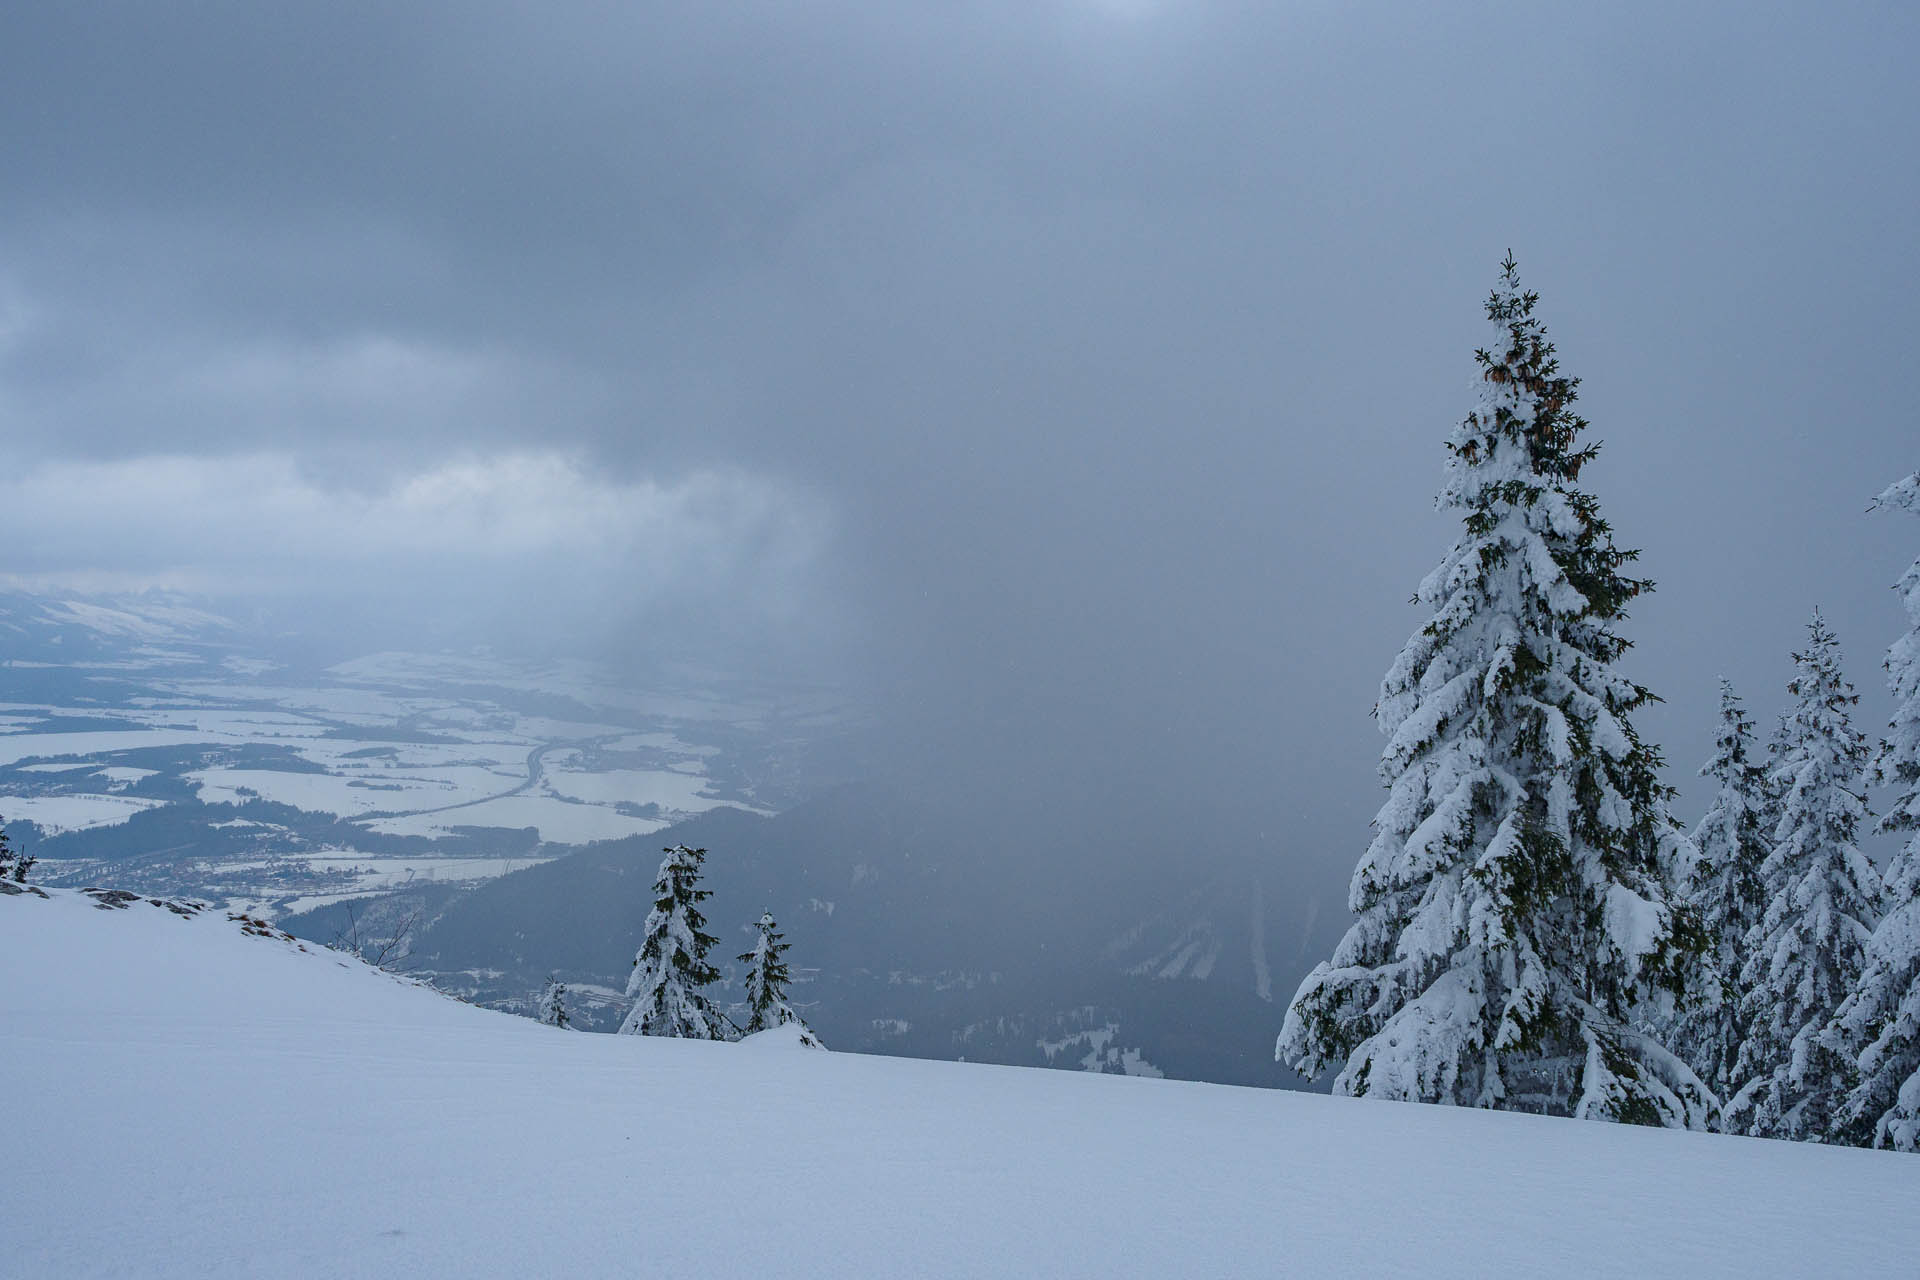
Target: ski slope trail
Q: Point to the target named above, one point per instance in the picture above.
(184, 1100)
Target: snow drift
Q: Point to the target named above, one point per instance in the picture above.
(189, 1099)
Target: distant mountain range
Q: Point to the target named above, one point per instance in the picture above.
(66, 630)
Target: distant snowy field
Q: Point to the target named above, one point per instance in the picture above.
(158, 1124)
(461, 759)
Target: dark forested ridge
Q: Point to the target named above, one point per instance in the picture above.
(905, 940)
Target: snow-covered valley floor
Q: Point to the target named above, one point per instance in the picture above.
(185, 1100)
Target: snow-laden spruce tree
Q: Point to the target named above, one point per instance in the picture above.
(552, 1009)
(14, 865)
(1879, 1025)
(1515, 933)
(1807, 952)
(671, 973)
(1724, 889)
(1777, 748)
(767, 982)
(767, 978)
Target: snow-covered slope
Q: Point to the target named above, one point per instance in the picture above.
(157, 1122)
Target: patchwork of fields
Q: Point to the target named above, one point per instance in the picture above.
(165, 752)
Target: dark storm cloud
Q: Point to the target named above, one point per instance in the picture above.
(1115, 343)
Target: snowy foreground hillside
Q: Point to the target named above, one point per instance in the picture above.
(157, 1123)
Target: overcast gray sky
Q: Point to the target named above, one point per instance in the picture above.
(1071, 375)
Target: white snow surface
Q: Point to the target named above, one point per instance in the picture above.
(788, 1035)
(188, 1101)
(560, 821)
(53, 814)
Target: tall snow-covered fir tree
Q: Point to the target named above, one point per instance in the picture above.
(671, 972)
(1809, 948)
(1879, 1025)
(767, 982)
(1724, 889)
(553, 1004)
(1516, 934)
